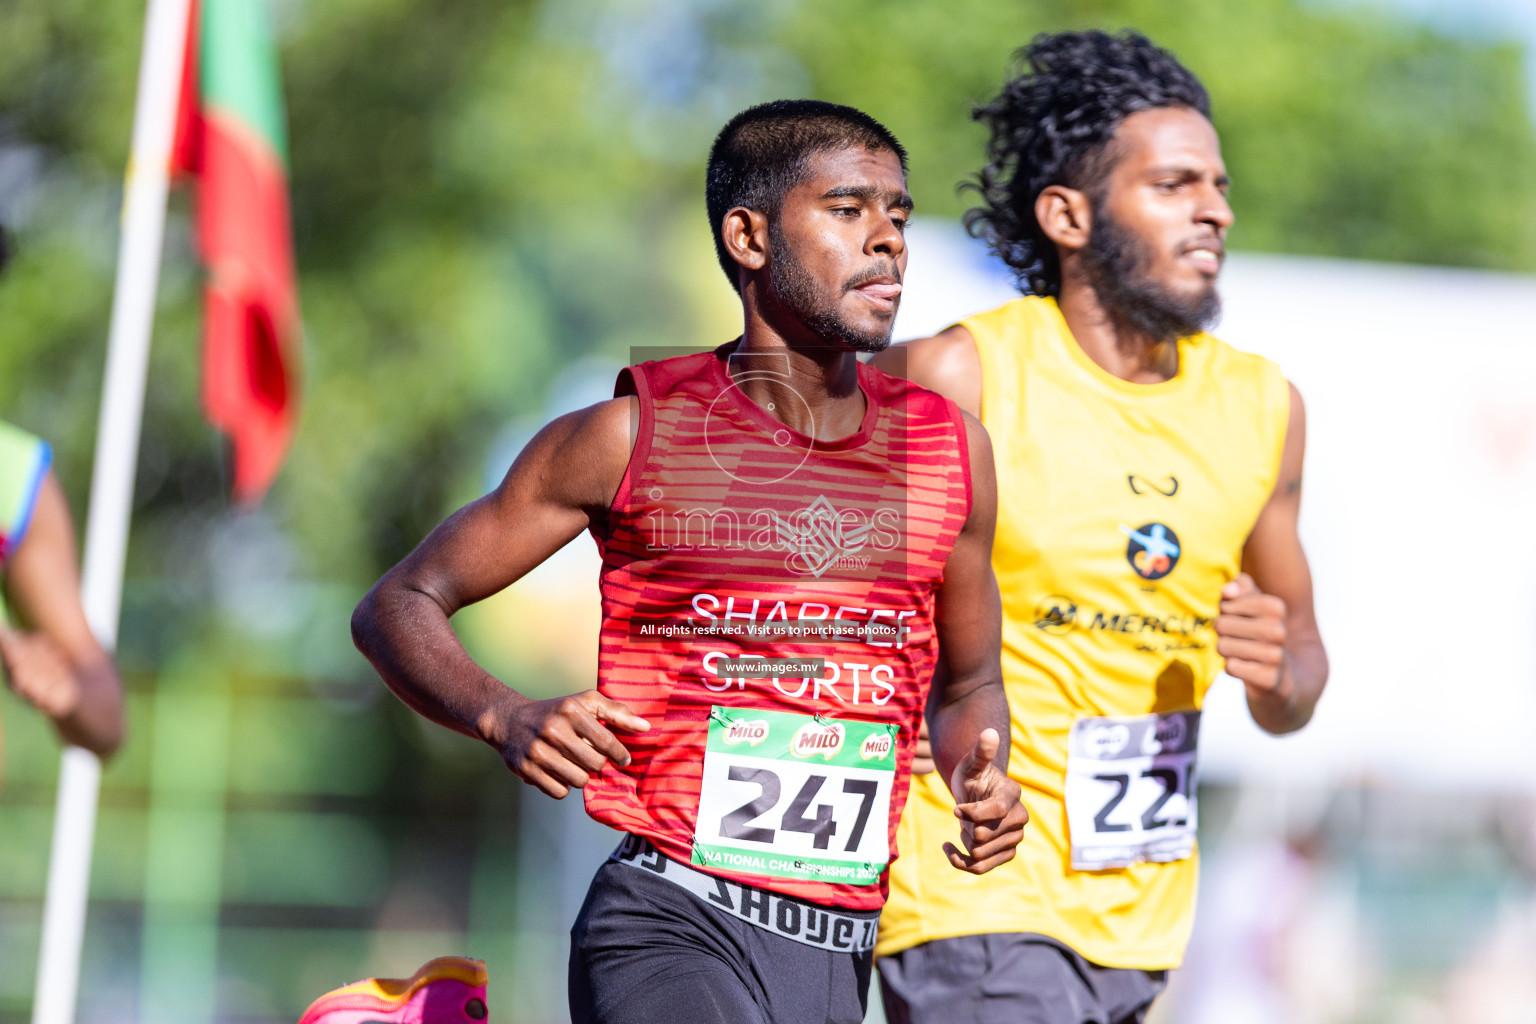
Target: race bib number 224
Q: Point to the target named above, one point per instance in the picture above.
(1131, 789)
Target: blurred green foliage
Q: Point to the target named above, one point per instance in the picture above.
(1348, 133)
(485, 193)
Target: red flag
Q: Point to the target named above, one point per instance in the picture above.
(230, 137)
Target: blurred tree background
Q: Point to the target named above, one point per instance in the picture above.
(490, 197)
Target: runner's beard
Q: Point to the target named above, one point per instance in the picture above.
(1117, 266)
(801, 294)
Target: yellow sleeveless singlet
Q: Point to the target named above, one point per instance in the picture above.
(1122, 510)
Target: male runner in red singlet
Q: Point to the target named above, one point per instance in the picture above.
(787, 536)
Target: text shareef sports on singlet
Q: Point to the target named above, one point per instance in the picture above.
(783, 793)
(768, 600)
(818, 650)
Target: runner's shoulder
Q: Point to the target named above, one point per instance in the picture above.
(977, 437)
(1226, 358)
(983, 474)
(609, 424)
(584, 454)
(946, 363)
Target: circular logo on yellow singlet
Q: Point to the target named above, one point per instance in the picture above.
(1153, 550)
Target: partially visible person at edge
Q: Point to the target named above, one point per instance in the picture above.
(49, 656)
(1149, 482)
(777, 485)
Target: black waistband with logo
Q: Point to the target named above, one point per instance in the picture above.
(840, 931)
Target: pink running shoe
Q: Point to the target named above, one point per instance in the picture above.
(448, 990)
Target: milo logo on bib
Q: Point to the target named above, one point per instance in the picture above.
(1106, 740)
(814, 738)
(749, 732)
(877, 747)
(796, 796)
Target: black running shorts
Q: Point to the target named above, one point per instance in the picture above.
(646, 950)
(1018, 978)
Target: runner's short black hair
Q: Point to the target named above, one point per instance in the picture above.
(1052, 124)
(762, 152)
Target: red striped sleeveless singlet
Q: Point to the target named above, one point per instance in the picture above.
(734, 540)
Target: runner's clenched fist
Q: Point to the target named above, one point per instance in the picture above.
(557, 745)
(1250, 635)
(39, 673)
(987, 803)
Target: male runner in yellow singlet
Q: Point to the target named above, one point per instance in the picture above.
(1149, 482)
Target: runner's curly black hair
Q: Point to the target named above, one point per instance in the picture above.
(1052, 124)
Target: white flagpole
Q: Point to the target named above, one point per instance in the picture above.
(117, 450)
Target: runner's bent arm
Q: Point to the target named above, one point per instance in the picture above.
(968, 710)
(1267, 629)
(561, 484)
(946, 363)
(54, 661)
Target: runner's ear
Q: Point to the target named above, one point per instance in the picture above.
(1064, 215)
(745, 235)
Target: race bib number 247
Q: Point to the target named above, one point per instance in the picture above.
(796, 796)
